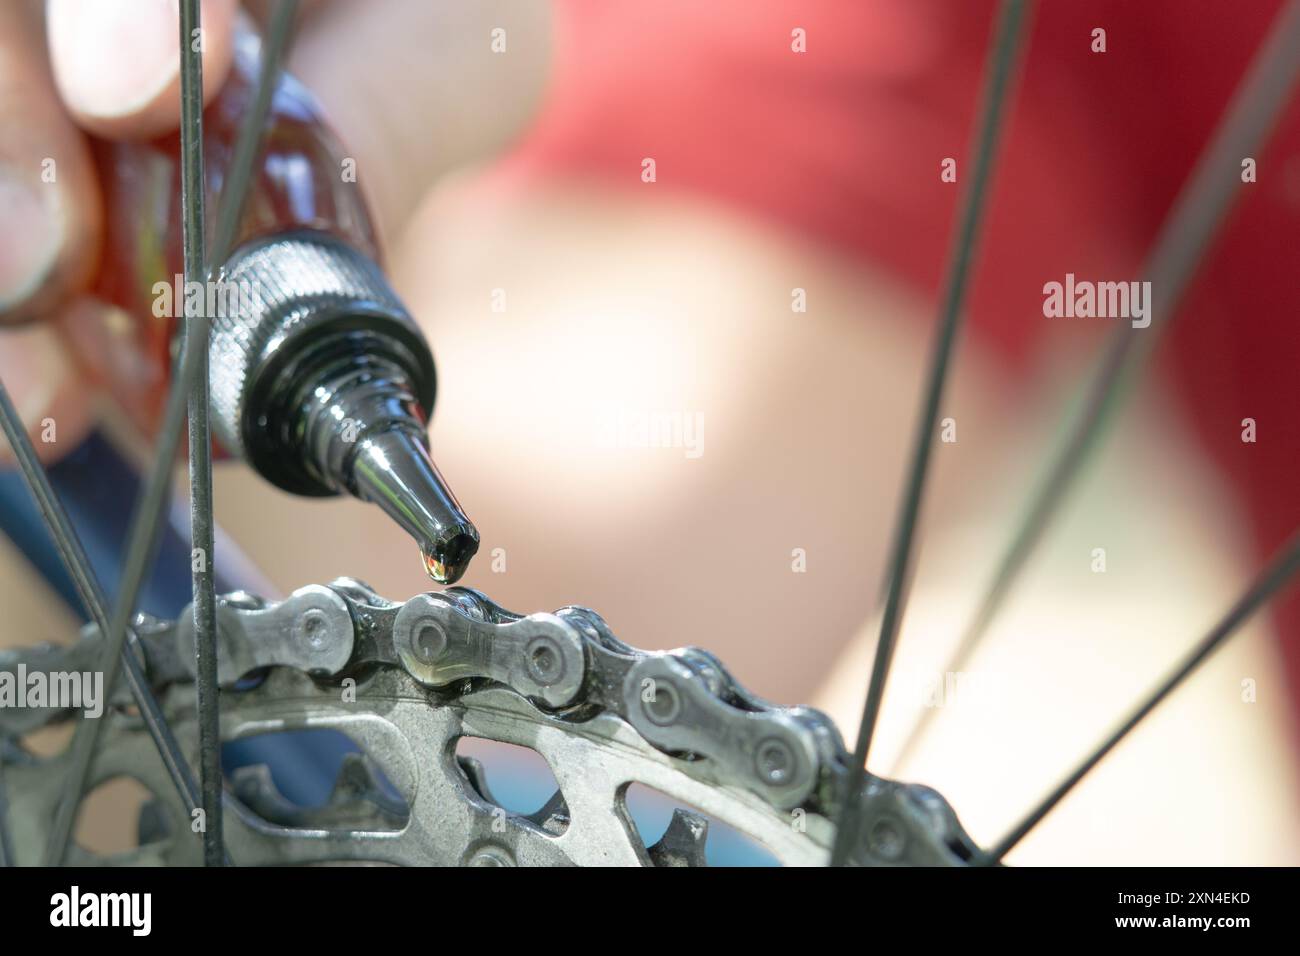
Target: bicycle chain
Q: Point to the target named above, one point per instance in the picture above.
(407, 681)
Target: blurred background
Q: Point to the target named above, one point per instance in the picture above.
(686, 400)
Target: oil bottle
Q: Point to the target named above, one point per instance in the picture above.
(320, 379)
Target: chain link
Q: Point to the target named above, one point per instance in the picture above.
(407, 681)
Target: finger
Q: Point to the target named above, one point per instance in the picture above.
(45, 389)
(47, 190)
(117, 62)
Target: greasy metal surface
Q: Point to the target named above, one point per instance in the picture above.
(406, 682)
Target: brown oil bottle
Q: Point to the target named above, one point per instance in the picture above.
(320, 379)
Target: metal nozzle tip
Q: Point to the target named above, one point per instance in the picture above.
(393, 469)
(448, 557)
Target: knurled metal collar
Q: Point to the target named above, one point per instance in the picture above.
(283, 293)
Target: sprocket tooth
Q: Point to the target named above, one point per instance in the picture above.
(256, 789)
(553, 817)
(356, 780)
(358, 784)
(476, 773)
(683, 842)
(356, 802)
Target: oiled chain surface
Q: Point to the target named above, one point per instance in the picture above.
(773, 772)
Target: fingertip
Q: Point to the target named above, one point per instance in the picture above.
(45, 389)
(26, 263)
(117, 62)
(50, 238)
(48, 195)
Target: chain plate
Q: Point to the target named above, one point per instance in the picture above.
(406, 681)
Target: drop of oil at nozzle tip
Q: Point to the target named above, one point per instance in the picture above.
(446, 561)
(393, 469)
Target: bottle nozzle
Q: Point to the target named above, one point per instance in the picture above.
(393, 469)
(325, 384)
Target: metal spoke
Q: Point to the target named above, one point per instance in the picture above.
(155, 494)
(1183, 240)
(1272, 580)
(92, 596)
(199, 267)
(204, 606)
(235, 183)
(1007, 37)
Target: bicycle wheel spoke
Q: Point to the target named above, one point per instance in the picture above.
(204, 605)
(199, 267)
(155, 494)
(78, 564)
(1006, 44)
(1272, 580)
(1184, 238)
(235, 185)
(47, 502)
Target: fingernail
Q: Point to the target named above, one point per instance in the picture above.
(113, 57)
(29, 242)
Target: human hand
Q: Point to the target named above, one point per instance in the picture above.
(110, 69)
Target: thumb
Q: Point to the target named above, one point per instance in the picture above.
(47, 188)
(117, 62)
(49, 242)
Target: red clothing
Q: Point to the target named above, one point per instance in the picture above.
(843, 143)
